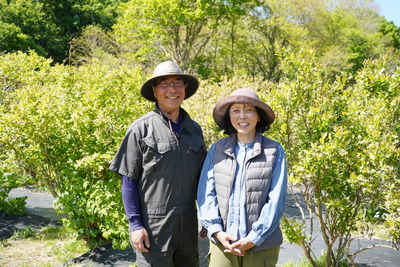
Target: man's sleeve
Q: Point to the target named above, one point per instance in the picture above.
(128, 160)
(130, 198)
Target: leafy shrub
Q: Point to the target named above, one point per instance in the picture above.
(60, 127)
(342, 145)
(14, 206)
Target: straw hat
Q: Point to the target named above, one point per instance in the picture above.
(168, 68)
(242, 96)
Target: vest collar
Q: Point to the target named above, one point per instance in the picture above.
(229, 145)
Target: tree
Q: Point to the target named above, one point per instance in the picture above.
(23, 26)
(266, 31)
(348, 34)
(96, 45)
(176, 30)
(47, 26)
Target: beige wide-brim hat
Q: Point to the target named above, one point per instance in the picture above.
(241, 96)
(168, 68)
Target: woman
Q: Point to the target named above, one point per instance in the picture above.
(242, 188)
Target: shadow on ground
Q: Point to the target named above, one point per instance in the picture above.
(10, 223)
(107, 256)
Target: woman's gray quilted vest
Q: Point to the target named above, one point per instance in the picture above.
(258, 176)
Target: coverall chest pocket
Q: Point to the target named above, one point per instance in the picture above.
(194, 152)
(153, 153)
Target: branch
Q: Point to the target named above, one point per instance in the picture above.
(370, 247)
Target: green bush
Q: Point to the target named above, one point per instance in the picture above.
(61, 126)
(14, 206)
(342, 145)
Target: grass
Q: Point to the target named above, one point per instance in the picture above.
(51, 246)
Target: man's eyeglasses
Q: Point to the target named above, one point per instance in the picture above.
(165, 84)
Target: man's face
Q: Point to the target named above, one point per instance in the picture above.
(170, 92)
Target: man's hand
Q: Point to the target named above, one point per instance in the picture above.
(239, 247)
(140, 240)
(203, 232)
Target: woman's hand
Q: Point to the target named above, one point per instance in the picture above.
(239, 247)
(225, 239)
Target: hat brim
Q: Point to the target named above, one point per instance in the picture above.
(192, 85)
(222, 106)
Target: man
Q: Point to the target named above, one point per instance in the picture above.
(160, 159)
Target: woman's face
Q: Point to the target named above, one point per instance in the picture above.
(244, 119)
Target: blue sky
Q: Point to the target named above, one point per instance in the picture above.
(390, 9)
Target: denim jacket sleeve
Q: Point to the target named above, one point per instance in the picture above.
(207, 197)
